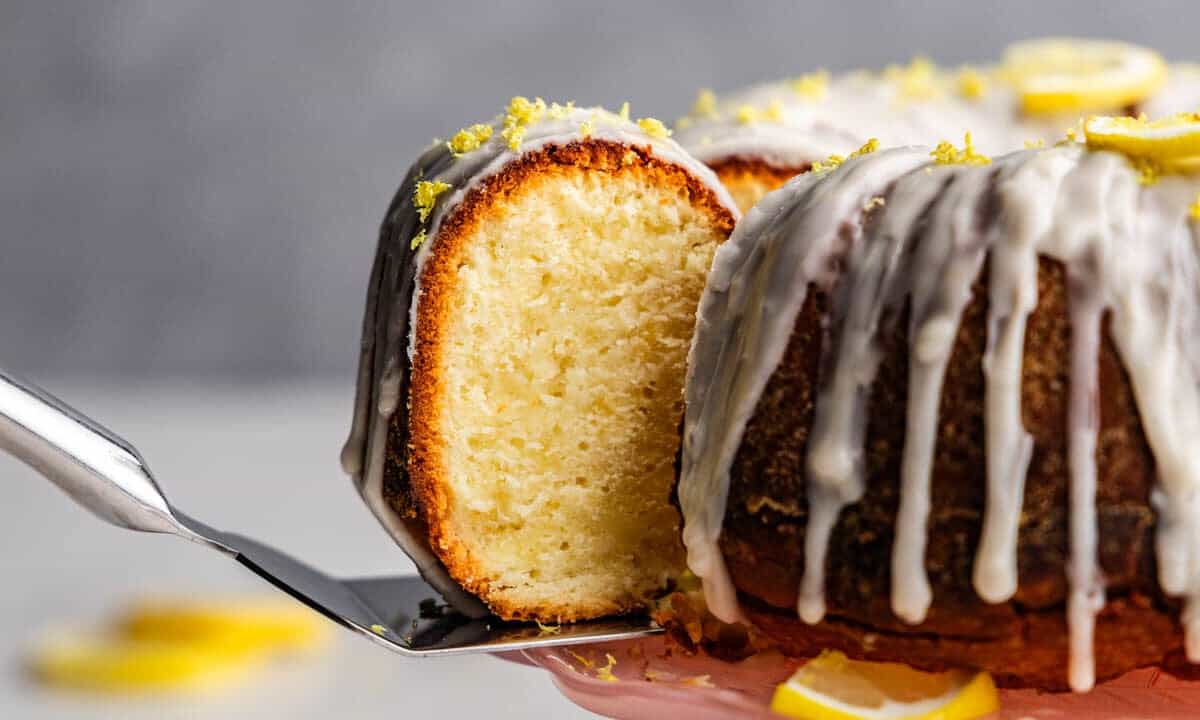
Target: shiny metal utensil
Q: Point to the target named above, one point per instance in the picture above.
(106, 475)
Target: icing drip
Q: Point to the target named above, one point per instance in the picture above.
(950, 256)
(1131, 254)
(394, 292)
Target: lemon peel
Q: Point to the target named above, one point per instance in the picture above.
(811, 86)
(834, 161)
(468, 139)
(425, 196)
(747, 114)
(1194, 209)
(560, 112)
(654, 127)
(915, 81)
(1054, 75)
(520, 114)
(605, 673)
(624, 111)
(705, 105)
(946, 154)
(418, 239)
(972, 84)
(833, 687)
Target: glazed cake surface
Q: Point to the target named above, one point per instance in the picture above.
(941, 414)
(520, 391)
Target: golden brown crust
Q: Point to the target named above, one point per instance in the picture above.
(416, 485)
(1023, 641)
(749, 178)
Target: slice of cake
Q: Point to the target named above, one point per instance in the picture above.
(520, 390)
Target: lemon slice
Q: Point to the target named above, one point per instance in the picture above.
(117, 665)
(1172, 142)
(1058, 75)
(282, 625)
(833, 687)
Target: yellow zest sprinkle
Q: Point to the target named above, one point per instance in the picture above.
(1149, 172)
(653, 127)
(916, 81)
(829, 163)
(560, 112)
(746, 114)
(582, 660)
(683, 123)
(706, 104)
(605, 673)
(416, 243)
(873, 203)
(1194, 209)
(813, 86)
(379, 629)
(426, 195)
(1035, 144)
(774, 111)
(624, 113)
(868, 147)
(587, 127)
(548, 629)
(972, 84)
(521, 114)
(947, 154)
(469, 138)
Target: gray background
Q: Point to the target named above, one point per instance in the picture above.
(194, 187)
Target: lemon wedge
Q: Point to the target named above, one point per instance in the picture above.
(833, 687)
(119, 665)
(248, 625)
(1173, 143)
(1059, 75)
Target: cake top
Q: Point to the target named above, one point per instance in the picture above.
(1040, 88)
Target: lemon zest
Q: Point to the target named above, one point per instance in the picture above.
(521, 113)
(378, 629)
(585, 662)
(915, 81)
(946, 154)
(1035, 144)
(811, 86)
(624, 112)
(417, 240)
(587, 127)
(548, 629)
(468, 139)
(1194, 209)
(747, 114)
(972, 84)
(560, 112)
(605, 673)
(774, 111)
(683, 123)
(833, 161)
(426, 195)
(706, 104)
(654, 127)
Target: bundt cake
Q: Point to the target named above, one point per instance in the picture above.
(520, 387)
(757, 138)
(942, 410)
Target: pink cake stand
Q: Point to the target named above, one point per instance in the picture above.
(650, 680)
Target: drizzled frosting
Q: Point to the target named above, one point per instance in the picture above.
(445, 173)
(1130, 251)
(793, 123)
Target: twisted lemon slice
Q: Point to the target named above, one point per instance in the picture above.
(1060, 75)
(833, 687)
(1172, 143)
(178, 645)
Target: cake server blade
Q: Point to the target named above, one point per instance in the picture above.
(107, 475)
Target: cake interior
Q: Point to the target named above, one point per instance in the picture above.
(748, 179)
(546, 455)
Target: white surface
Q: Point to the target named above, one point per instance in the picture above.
(261, 460)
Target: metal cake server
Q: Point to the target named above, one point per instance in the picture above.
(106, 475)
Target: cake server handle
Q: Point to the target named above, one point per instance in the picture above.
(94, 466)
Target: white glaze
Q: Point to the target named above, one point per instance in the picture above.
(394, 296)
(1130, 251)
